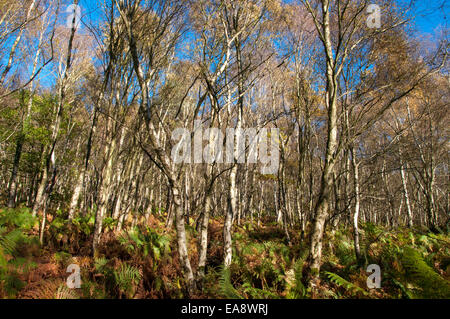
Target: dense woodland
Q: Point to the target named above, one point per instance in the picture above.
(88, 108)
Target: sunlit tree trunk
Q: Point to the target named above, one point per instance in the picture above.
(104, 194)
(57, 122)
(322, 207)
(357, 204)
(406, 194)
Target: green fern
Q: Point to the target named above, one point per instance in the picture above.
(100, 264)
(9, 241)
(127, 278)
(64, 292)
(12, 284)
(146, 242)
(14, 224)
(344, 252)
(405, 292)
(352, 288)
(294, 285)
(256, 293)
(18, 218)
(226, 287)
(9, 279)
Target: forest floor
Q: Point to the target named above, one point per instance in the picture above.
(143, 261)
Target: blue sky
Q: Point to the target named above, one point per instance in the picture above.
(431, 15)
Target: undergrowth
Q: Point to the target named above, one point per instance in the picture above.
(143, 262)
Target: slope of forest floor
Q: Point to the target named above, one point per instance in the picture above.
(143, 262)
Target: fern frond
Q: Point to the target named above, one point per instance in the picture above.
(64, 292)
(257, 293)
(100, 264)
(9, 242)
(226, 287)
(338, 280)
(126, 278)
(294, 285)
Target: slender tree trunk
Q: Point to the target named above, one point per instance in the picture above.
(357, 205)
(207, 212)
(15, 169)
(232, 203)
(181, 239)
(104, 194)
(326, 186)
(406, 194)
(157, 151)
(24, 127)
(149, 210)
(57, 122)
(76, 195)
(204, 236)
(16, 42)
(277, 209)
